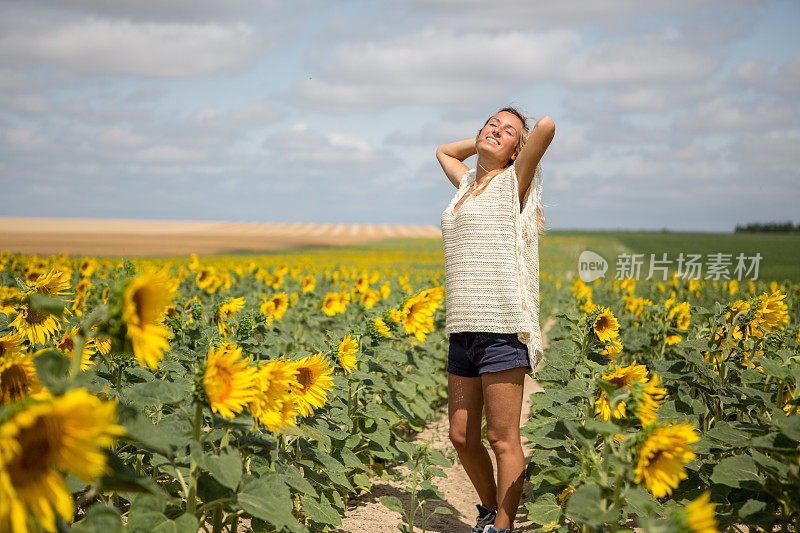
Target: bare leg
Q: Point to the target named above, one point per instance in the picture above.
(502, 392)
(465, 412)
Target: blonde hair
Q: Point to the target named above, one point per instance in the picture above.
(540, 219)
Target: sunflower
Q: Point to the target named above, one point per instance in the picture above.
(662, 456)
(55, 283)
(87, 267)
(312, 383)
(274, 280)
(369, 298)
(9, 299)
(334, 303)
(700, 515)
(273, 405)
(228, 380)
(416, 316)
(276, 306)
(67, 345)
(346, 354)
(67, 433)
(788, 406)
(681, 314)
(101, 344)
(434, 294)
(648, 399)
(772, 313)
(613, 348)
(377, 329)
(672, 339)
(83, 286)
(18, 378)
(635, 305)
(386, 290)
(588, 306)
(10, 344)
(208, 279)
(36, 325)
(733, 287)
(605, 325)
(143, 302)
(629, 285)
(309, 283)
(288, 414)
(580, 289)
(193, 263)
(228, 309)
(620, 377)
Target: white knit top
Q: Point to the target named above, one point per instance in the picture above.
(491, 261)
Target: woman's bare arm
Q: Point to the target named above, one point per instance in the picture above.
(535, 145)
(451, 155)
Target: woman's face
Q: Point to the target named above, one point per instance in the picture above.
(500, 136)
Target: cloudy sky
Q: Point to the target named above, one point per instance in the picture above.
(680, 115)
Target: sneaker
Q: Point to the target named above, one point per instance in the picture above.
(485, 518)
(491, 529)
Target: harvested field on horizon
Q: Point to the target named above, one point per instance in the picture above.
(102, 237)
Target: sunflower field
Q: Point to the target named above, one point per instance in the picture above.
(217, 394)
(260, 392)
(670, 407)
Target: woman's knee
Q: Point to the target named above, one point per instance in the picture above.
(503, 442)
(463, 440)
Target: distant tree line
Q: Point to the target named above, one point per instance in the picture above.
(768, 226)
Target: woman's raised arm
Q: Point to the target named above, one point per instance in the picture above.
(535, 145)
(451, 155)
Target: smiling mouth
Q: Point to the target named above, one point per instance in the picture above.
(492, 140)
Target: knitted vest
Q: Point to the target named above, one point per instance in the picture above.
(491, 261)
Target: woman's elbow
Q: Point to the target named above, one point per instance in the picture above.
(547, 123)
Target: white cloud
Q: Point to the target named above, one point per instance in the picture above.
(478, 14)
(639, 60)
(777, 147)
(433, 67)
(789, 75)
(121, 137)
(727, 114)
(146, 94)
(646, 100)
(160, 9)
(106, 46)
(169, 154)
(568, 146)
(336, 152)
(752, 71)
(24, 140)
(439, 66)
(254, 113)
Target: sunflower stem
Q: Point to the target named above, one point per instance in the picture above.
(195, 471)
(217, 519)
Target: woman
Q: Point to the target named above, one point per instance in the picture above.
(490, 232)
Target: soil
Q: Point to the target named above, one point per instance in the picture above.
(45, 236)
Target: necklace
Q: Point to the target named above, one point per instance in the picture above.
(485, 183)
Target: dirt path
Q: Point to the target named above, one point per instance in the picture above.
(366, 514)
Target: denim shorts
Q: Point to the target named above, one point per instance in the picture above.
(473, 353)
